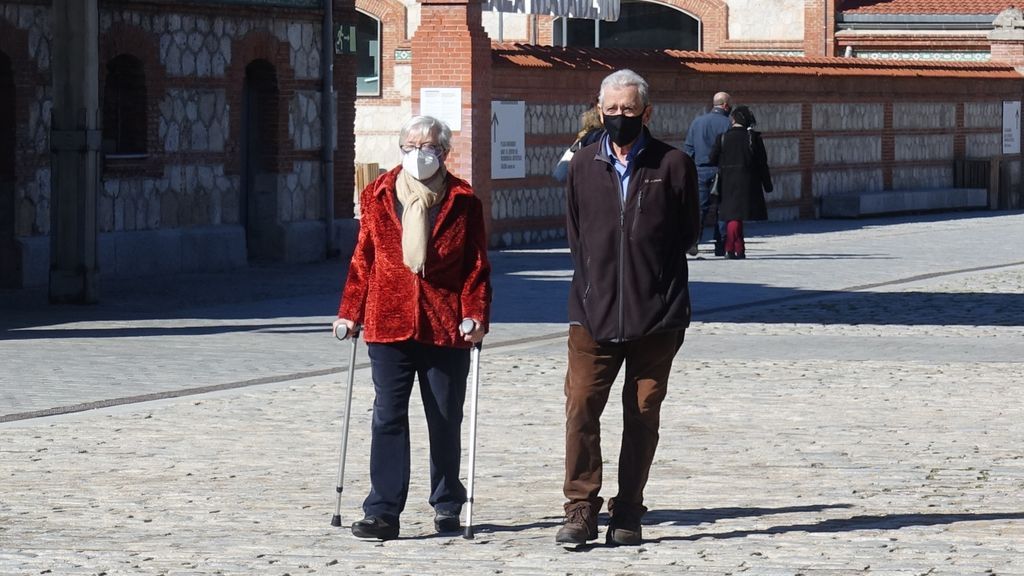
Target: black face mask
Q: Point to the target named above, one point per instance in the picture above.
(623, 129)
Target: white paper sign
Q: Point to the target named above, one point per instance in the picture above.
(508, 139)
(445, 104)
(1011, 127)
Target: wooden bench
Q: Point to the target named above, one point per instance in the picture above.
(877, 202)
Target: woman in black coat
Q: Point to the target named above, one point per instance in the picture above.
(743, 178)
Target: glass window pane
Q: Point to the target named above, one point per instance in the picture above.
(367, 55)
(646, 25)
(640, 25)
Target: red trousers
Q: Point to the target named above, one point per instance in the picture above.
(734, 237)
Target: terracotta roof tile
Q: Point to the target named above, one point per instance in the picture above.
(532, 56)
(957, 7)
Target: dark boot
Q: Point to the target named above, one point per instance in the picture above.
(376, 527)
(580, 524)
(446, 521)
(624, 528)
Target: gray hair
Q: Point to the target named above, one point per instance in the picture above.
(427, 126)
(622, 79)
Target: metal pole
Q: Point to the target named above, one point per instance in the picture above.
(340, 487)
(327, 113)
(474, 366)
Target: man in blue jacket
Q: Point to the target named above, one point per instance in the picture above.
(700, 138)
(632, 211)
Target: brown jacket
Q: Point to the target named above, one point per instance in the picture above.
(630, 278)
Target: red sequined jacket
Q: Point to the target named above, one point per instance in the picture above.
(393, 304)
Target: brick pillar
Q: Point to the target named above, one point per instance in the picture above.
(808, 202)
(451, 50)
(819, 28)
(1007, 39)
(345, 117)
(75, 145)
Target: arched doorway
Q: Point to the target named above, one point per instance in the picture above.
(640, 25)
(10, 256)
(259, 162)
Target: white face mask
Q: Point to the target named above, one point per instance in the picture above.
(419, 164)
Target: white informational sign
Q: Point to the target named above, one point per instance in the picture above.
(607, 10)
(1011, 127)
(508, 139)
(445, 104)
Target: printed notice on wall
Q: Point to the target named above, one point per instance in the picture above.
(508, 139)
(445, 104)
(1011, 127)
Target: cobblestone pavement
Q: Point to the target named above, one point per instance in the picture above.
(846, 403)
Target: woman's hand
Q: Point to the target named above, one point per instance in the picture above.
(475, 335)
(350, 327)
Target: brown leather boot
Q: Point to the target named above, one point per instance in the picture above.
(580, 524)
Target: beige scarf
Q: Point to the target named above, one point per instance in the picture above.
(417, 198)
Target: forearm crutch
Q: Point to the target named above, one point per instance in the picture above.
(474, 366)
(341, 334)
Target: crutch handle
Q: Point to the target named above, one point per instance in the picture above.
(467, 325)
(342, 332)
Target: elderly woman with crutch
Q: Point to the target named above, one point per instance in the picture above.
(418, 272)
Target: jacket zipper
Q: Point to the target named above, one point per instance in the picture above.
(622, 256)
(639, 207)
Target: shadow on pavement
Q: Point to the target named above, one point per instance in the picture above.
(878, 522)
(705, 515)
(770, 305)
(530, 286)
(120, 332)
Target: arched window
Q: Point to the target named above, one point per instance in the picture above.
(367, 55)
(640, 25)
(124, 107)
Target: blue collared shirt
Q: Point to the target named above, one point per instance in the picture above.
(625, 171)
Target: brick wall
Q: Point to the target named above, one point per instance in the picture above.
(830, 126)
(194, 58)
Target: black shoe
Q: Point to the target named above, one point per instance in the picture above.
(376, 527)
(623, 535)
(719, 249)
(736, 255)
(447, 521)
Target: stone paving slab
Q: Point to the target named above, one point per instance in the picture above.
(766, 467)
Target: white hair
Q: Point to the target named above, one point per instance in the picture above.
(624, 78)
(427, 126)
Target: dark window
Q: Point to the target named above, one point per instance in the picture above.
(640, 25)
(124, 107)
(367, 55)
(7, 119)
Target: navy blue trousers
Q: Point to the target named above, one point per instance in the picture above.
(704, 191)
(442, 374)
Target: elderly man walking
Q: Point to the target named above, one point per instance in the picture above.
(632, 213)
(702, 135)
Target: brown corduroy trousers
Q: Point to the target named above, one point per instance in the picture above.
(592, 370)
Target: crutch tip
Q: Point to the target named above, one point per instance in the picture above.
(468, 534)
(336, 521)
